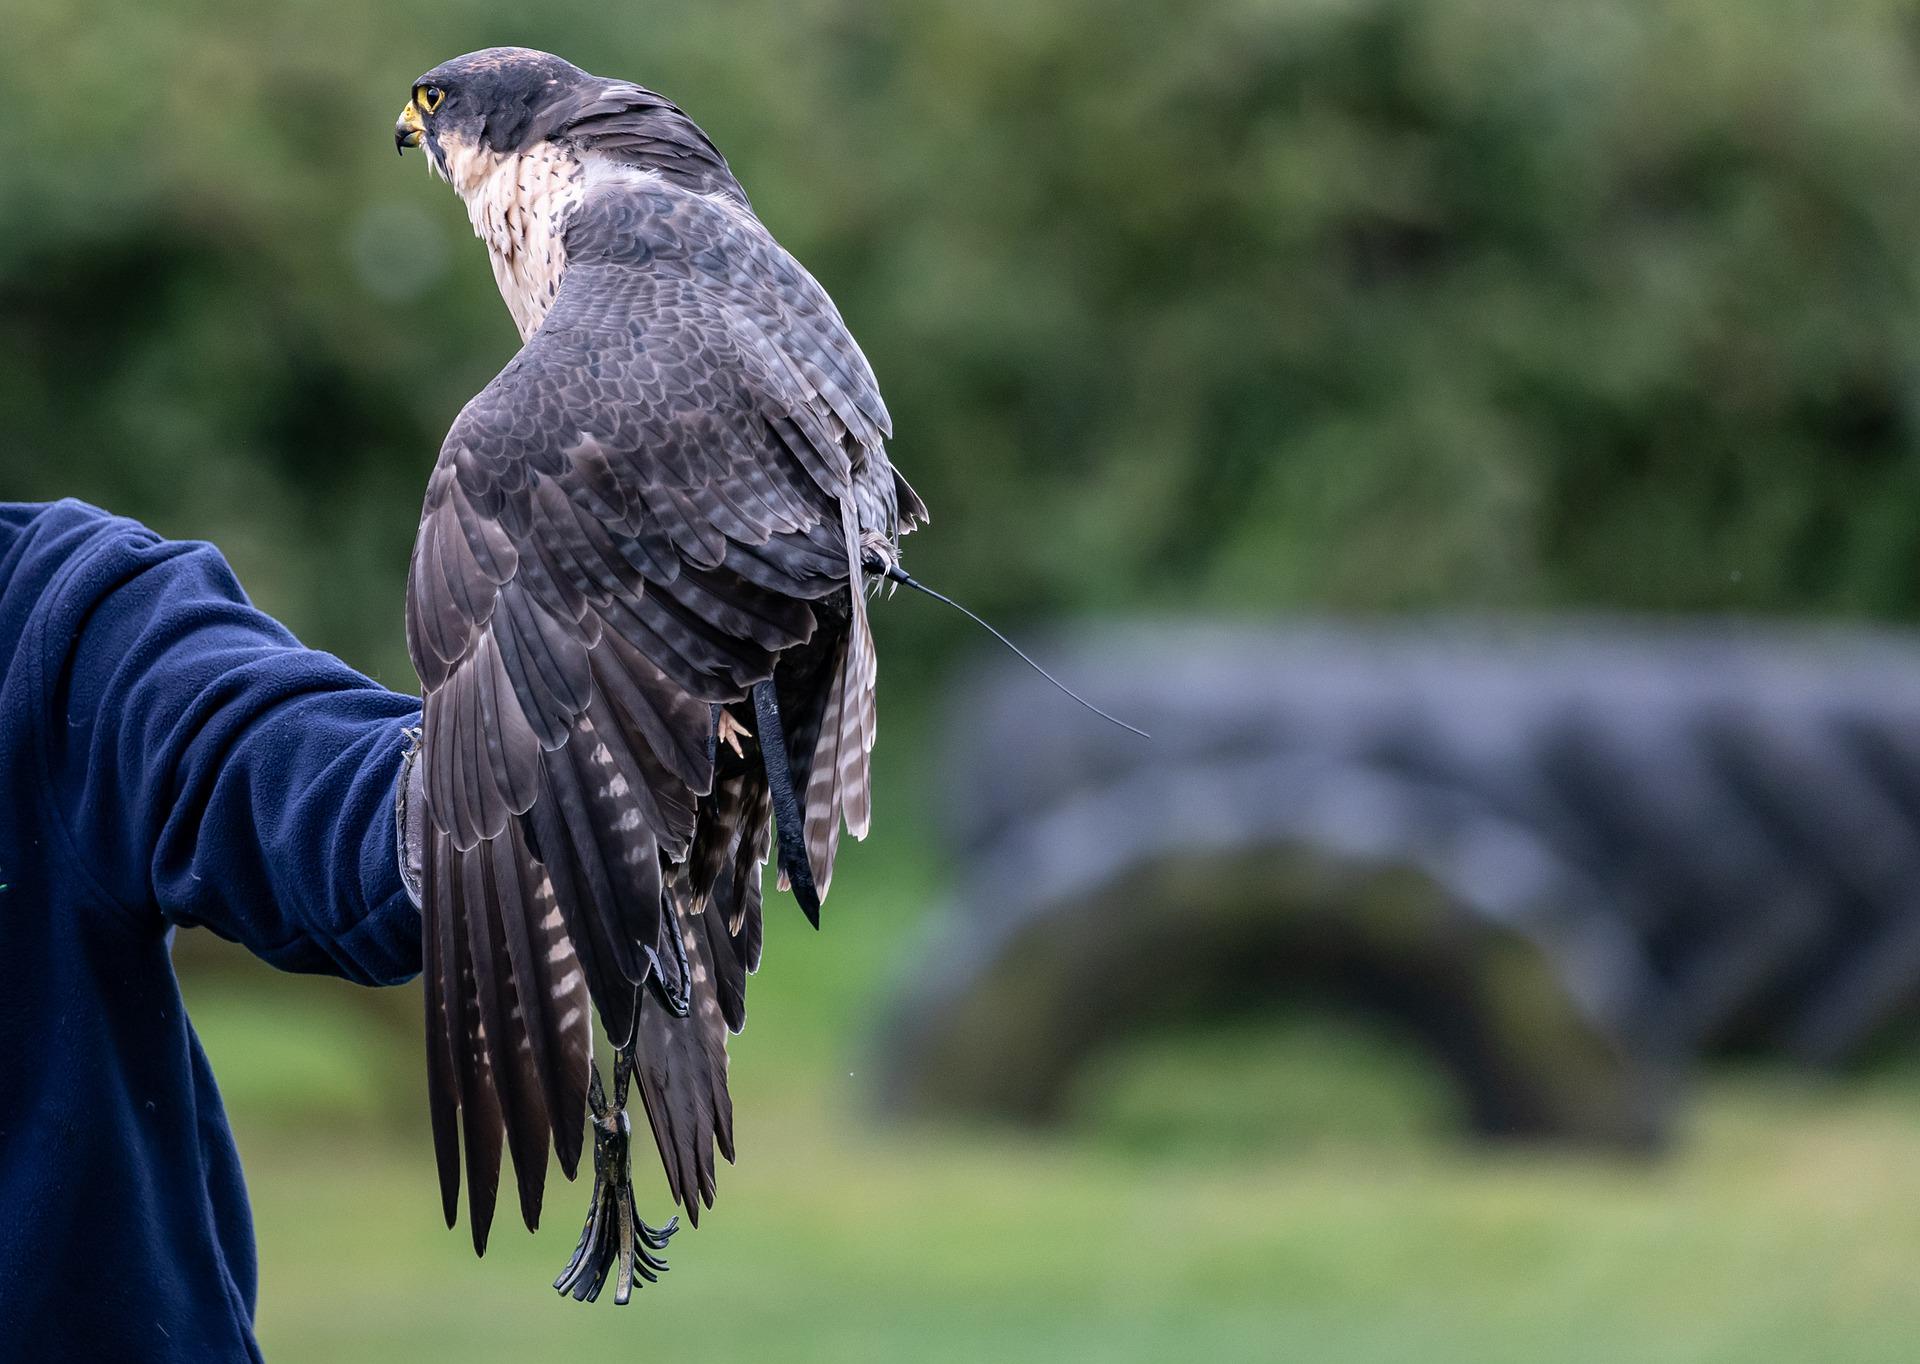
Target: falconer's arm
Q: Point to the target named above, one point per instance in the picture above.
(205, 766)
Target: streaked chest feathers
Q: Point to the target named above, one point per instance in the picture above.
(519, 205)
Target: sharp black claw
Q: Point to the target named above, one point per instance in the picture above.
(614, 1237)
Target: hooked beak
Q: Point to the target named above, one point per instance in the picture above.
(407, 132)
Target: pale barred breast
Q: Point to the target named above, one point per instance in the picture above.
(519, 206)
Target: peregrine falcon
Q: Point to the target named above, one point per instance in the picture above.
(638, 608)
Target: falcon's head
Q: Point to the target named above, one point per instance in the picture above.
(522, 135)
(492, 104)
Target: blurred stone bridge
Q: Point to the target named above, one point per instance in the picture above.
(1570, 858)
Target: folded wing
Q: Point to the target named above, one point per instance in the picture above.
(639, 519)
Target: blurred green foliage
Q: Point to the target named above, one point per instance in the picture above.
(1265, 303)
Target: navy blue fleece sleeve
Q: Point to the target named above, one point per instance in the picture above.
(209, 769)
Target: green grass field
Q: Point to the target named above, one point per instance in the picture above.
(1788, 1229)
(1272, 1191)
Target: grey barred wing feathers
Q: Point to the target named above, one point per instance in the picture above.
(659, 504)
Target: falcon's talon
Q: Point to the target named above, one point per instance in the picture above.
(730, 732)
(614, 1236)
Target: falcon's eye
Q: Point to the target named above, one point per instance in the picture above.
(428, 97)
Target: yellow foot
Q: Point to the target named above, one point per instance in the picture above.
(731, 732)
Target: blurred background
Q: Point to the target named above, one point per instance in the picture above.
(1481, 440)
